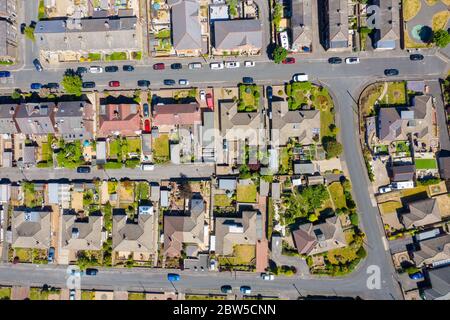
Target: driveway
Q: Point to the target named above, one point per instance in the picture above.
(280, 259)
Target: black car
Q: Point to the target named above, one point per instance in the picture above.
(247, 80)
(88, 84)
(22, 28)
(37, 64)
(91, 271)
(111, 69)
(335, 60)
(269, 93)
(81, 70)
(391, 72)
(52, 85)
(128, 68)
(143, 83)
(226, 289)
(83, 169)
(169, 82)
(176, 66)
(416, 57)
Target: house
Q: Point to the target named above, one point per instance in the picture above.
(29, 155)
(186, 229)
(100, 152)
(70, 39)
(444, 164)
(395, 123)
(315, 180)
(232, 231)
(434, 252)
(75, 120)
(227, 184)
(303, 125)
(134, 236)
(313, 239)
(305, 168)
(7, 123)
(186, 28)
(81, 233)
(333, 24)
(8, 9)
(301, 25)
(31, 228)
(119, 119)
(439, 280)
(403, 173)
(276, 191)
(387, 32)
(169, 115)
(36, 118)
(59, 194)
(235, 125)
(8, 40)
(238, 36)
(5, 192)
(422, 213)
(7, 159)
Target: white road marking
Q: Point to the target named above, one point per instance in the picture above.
(385, 243)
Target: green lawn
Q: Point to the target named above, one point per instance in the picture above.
(115, 149)
(326, 119)
(116, 56)
(132, 145)
(142, 191)
(5, 293)
(87, 295)
(242, 255)
(46, 152)
(6, 62)
(425, 164)
(249, 96)
(396, 94)
(112, 187)
(165, 33)
(221, 200)
(70, 155)
(136, 296)
(38, 294)
(41, 10)
(161, 151)
(284, 160)
(136, 55)
(337, 194)
(95, 56)
(246, 193)
(401, 146)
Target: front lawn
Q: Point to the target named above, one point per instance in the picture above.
(116, 56)
(142, 191)
(390, 206)
(38, 294)
(337, 195)
(396, 94)
(246, 193)
(242, 255)
(222, 200)
(136, 296)
(411, 8)
(87, 295)
(285, 161)
(94, 56)
(426, 164)
(161, 150)
(249, 96)
(5, 293)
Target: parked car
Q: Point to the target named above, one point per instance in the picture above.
(5, 74)
(416, 57)
(288, 60)
(81, 70)
(385, 189)
(37, 64)
(335, 60)
(202, 95)
(232, 64)
(173, 277)
(226, 289)
(159, 66)
(127, 68)
(83, 169)
(114, 84)
(146, 110)
(391, 72)
(176, 66)
(36, 86)
(183, 82)
(52, 85)
(95, 69)
(209, 101)
(416, 276)
(195, 65)
(269, 92)
(267, 276)
(300, 77)
(149, 167)
(91, 272)
(249, 64)
(169, 82)
(212, 265)
(143, 83)
(51, 255)
(245, 290)
(72, 294)
(352, 60)
(247, 80)
(111, 69)
(216, 65)
(88, 85)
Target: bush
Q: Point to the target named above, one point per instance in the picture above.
(332, 147)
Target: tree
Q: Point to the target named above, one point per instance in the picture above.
(16, 95)
(29, 33)
(441, 38)
(277, 14)
(72, 82)
(279, 54)
(332, 147)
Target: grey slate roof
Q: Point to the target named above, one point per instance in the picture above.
(83, 234)
(301, 23)
(71, 120)
(304, 168)
(8, 40)
(7, 123)
(440, 283)
(338, 23)
(389, 24)
(403, 173)
(423, 212)
(186, 29)
(31, 229)
(431, 248)
(36, 118)
(233, 34)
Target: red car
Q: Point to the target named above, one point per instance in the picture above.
(209, 101)
(147, 125)
(289, 61)
(159, 66)
(114, 84)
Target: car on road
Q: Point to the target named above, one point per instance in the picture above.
(300, 77)
(72, 294)
(88, 85)
(267, 276)
(216, 65)
(226, 289)
(95, 69)
(173, 277)
(146, 110)
(35, 86)
(269, 92)
(245, 290)
(91, 271)
(83, 169)
(81, 70)
(183, 82)
(52, 85)
(176, 66)
(416, 57)
(247, 80)
(51, 255)
(391, 72)
(249, 64)
(352, 60)
(127, 68)
(111, 68)
(195, 65)
(37, 64)
(114, 84)
(159, 66)
(202, 95)
(5, 74)
(169, 82)
(288, 60)
(232, 64)
(335, 60)
(143, 83)
(416, 276)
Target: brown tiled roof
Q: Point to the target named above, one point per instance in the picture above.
(176, 114)
(121, 118)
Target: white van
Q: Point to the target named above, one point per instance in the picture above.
(147, 167)
(216, 66)
(195, 65)
(300, 77)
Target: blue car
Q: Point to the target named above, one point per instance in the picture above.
(36, 86)
(5, 74)
(173, 277)
(51, 254)
(146, 110)
(416, 276)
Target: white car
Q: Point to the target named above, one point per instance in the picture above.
(72, 294)
(147, 167)
(385, 189)
(95, 69)
(249, 64)
(195, 65)
(216, 66)
(300, 77)
(202, 95)
(267, 276)
(352, 60)
(232, 64)
(183, 82)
